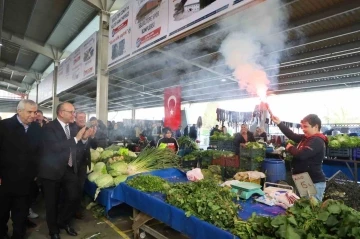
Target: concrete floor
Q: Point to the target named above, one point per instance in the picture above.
(91, 227)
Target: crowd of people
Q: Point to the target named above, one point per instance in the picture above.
(51, 157)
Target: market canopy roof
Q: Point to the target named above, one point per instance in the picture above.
(325, 55)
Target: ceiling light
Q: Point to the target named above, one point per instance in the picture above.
(223, 80)
(0, 44)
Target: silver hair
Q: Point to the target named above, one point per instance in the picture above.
(22, 103)
(80, 113)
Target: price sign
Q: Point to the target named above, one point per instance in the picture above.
(304, 184)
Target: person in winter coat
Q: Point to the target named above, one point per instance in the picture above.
(310, 151)
(168, 140)
(193, 132)
(242, 138)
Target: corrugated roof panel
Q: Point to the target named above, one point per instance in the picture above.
(17, 14)
(25, 58)
(9, 52)
(40, 29)
(41, 63)
(73, 21)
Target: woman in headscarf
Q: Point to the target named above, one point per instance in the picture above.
(260, 132)
(242, 138)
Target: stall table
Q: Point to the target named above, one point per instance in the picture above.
(149, 206)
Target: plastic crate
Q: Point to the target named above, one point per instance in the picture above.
(251, 153)
(227, 145)
(190, 164)
(344, 153)
(248, 164)
(356, 153)
(233, 161)
(204, 162)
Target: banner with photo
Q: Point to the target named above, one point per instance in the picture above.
(120, 35)
(79, 66)
(187, 14)
(45, 88)
(150, 23)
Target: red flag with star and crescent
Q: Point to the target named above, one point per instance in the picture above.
(172, 105)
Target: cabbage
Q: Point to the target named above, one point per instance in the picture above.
(93, 176)
(118, 168)
(100, 167)
(106, 154)
(132, 154)
(91, 168)
(103, 181)
(119, 179)
(99, 149)
(95, 155)
(334, 144)
(124, 151)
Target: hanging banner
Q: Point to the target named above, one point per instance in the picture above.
(120, 35)
(79, 66)
(150, 23)
(45, 88)
(88, 62)
(172, 105)
(187, 14)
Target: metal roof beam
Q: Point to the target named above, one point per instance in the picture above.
(10, 90)
(19, 70)
(102, 5)
(46, 50)
(23, 86)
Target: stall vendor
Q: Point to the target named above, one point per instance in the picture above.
(310, 151)
(242, 138)
(260, 132)
(171, 142)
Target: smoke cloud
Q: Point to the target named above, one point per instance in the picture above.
(252, 48)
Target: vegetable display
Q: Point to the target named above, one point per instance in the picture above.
(148, 183)
(343, 141)
(185, 142)
(307, 219)
(221, 136)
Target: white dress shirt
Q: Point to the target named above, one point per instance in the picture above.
(63, 126)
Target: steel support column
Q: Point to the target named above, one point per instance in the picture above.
(55, 100)
(133, 114)
(102, 74)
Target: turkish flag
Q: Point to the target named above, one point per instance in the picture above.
(172, 105)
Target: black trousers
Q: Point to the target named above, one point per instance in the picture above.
(82, 174)
(19, 207)
(68, 185)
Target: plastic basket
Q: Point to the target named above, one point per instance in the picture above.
(251, 153)
(356, 153)
(233, 161)
(248, 164)
(345, 153)
(204, 162)
(189, 164)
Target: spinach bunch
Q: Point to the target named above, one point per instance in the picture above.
(148, 183)
(206, 200)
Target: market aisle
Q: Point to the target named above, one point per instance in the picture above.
(88, 227)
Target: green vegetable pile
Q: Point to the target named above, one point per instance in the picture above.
(148, 183)
(254, 145)
(221, 136)
(343, 141)
(206, 200)
(305, 220)
(185, 142)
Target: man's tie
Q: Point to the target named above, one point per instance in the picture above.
(67, 131)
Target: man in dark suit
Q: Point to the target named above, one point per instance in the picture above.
(58, 169)
(20, 146)
(83, 156)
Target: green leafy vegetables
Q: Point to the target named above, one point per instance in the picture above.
(148, 183)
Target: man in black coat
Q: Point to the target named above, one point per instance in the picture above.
(58, 169)
(20, 148)
(83, 156)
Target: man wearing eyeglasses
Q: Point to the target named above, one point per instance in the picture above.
(58, 169)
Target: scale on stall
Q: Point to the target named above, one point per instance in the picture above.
(245, 189)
